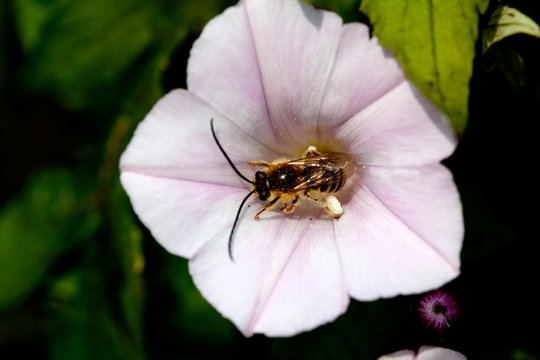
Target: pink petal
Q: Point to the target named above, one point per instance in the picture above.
(400, 239)
(175, 141)
(438, 353)
(285, 278)
(182, 215)
(425, 353)
(178, 180)
(224, 70)
(400, 128)
(399, 355)
(362, 73)
(427, 200)
(277, 56)
(296, 47)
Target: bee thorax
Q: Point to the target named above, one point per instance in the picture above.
(283, 179)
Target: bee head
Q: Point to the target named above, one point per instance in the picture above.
(261, 185)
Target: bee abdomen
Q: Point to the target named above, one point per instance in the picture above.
(334, 183)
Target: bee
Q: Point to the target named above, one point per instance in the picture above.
(314, 177)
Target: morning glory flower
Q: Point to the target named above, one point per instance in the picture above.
(425, 353)
(277, 77)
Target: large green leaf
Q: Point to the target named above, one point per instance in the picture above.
(435, 42)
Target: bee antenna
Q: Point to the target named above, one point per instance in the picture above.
(236, 221)
(225, 154)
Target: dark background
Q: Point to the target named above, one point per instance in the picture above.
(80, 277)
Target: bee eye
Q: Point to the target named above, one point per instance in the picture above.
(261, 185)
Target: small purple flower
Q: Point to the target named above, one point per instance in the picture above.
(437, 309)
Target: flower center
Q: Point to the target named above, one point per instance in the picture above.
(439, 308)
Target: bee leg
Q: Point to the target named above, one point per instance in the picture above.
(259, 163)
(289, 208)
(268, 206)
(331, 204)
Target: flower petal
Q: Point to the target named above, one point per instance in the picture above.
(175, 141)
(425, 353)
(438, 353)
(285, 278)
(363, 72)
(182, 215)
(427, 200)
(277, 56)
(400, 128)
(399, 355)
(296, 47)
(400, 239)
(180, 184)
(224, 70)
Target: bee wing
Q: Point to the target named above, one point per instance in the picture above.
(323, 168)
(331, 162)
(342, 161)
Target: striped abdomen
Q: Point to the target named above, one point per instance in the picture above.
(332, 181)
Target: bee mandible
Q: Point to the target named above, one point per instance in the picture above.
(314, 177)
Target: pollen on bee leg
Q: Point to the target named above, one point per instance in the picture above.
(310, 151)
(333, 206)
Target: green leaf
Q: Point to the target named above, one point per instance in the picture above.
(36, 228)
(434, 41)
(507, 21)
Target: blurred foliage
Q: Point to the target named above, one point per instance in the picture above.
(80, 277)
(46, 220)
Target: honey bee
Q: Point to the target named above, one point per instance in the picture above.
(314, 177)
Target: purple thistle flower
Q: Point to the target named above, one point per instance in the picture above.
(437, 309)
